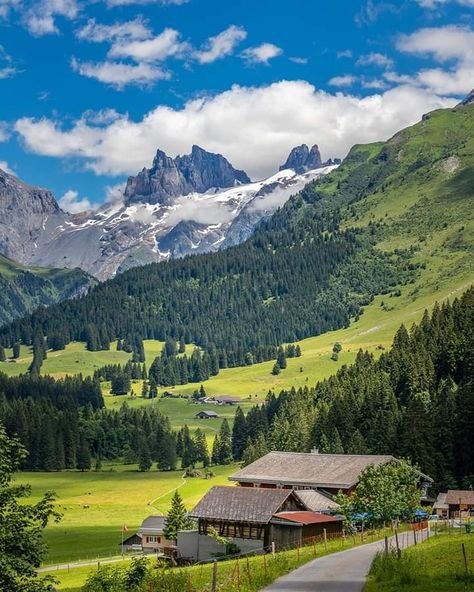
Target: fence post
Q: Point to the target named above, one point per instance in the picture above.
(214, 576)
(314, 546)
(273, 548)
(466, 567)
(398, 546)
(248, 571)
(238, 574)
(414, 536)
(325, 539)
(386, 545)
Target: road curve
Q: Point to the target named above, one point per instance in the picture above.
(345, 571)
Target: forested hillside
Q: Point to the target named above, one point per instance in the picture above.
(416, 401)
(23, 289)
(392, 213)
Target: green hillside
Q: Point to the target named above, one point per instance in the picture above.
(408, 204)
(23, 289)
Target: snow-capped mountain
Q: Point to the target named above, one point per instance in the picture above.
(155, 221)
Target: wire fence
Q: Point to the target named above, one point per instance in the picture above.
(249, 572)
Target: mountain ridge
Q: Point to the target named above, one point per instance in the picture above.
(174, 209)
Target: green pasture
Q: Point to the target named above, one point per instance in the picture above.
(95, 505)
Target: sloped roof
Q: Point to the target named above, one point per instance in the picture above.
(309, 469)
(153, 523)
(209, 413)
(316, 501)
(440, 503)
(465, 495)
(306, 517)
(240, 504)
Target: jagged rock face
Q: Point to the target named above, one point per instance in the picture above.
(302, 159)
(24, 210)
(168, 211)
(468, 99)
(192, 173)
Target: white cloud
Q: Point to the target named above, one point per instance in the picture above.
(431, 4)
(7, 72)
(375, 59)
(70, 202)
(298, 60)
(345, 53)
(40, 18)
(113, 3)
(128, 30)
(262, 53)
(5, 167)
(253, 127)
(221, 45)
(442, 43)
(345, 80)
(119, 74)
(4, 131)
(163, 46)
(7, 5)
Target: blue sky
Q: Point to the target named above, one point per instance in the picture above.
(90, 89)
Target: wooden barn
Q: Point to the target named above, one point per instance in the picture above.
(244, 514)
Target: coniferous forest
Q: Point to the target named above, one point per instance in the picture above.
(416, 401)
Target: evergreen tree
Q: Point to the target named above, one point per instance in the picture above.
(254, 450)
(276, 369)
(176, 519)
(2, 354)
(83, 460)
(144, 456)
(16, 350)
(216, 451)
(200, 447)
(281, 358)
(239, 435)
(225, 444)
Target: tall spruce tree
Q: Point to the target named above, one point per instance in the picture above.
(176, 519)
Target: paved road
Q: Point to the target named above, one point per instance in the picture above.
(345, 571)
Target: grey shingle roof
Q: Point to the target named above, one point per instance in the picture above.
(309, 469)
(153, 523)
(316, 501)
(240, 504)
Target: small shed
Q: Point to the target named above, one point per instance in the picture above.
(460, 502)
(297, 528)
(206, 415)
(132, 543)
(440, 507)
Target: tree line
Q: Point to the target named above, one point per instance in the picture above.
(415, 401)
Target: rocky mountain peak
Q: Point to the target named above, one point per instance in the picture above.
(169, 177)
(468, 99)
(302, 159)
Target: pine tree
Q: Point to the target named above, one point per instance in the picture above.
(16, 350)
(281, 358)
(276, 369)
(254, 450)
(144, 457)
(216, 451)
(2, 354)
(83, 460)
(176, 519)
(225, 444)
(239, 434)
(200, 446)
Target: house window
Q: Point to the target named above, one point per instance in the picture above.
(153, 539)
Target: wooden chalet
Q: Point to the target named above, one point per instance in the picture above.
(243, 513)
(327, 473)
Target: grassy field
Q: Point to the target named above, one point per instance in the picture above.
(436, 565)
(95, 505)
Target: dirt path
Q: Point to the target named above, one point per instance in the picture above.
(153, 502)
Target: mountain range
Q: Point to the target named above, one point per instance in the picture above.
(191, 204)
(394, 217)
